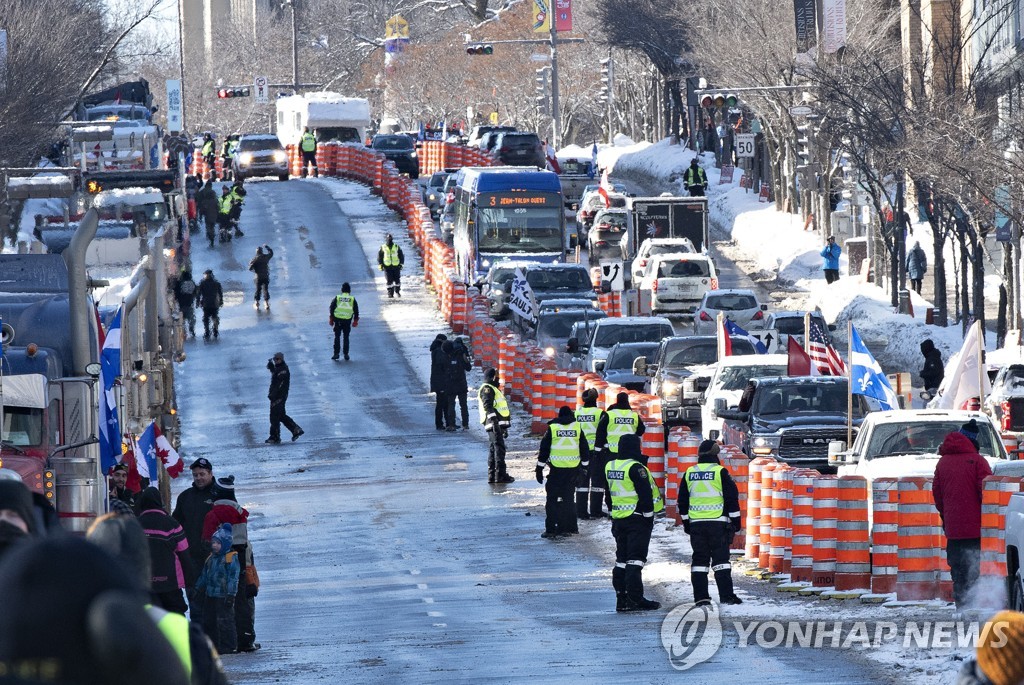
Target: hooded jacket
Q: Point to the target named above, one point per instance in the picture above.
(457, 367)
(730, 493)
(280, 381)
(629, 448)
(933, 370)
(957, 487)
(220, 573)
(206, 201)
(917, 263)
(173, 567)
(621, 402)
(438, 363)
(565, 417)
(260, 264)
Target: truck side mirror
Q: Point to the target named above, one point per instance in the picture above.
(720, 405)
(764, 308)
(599, 366)
(640, 366)
(837, 454)
(572, 345)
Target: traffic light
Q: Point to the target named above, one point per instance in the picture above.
(722, 99)
(542, 90)
(480, 49)
(606, 80)
(803, 145)
(239, 92)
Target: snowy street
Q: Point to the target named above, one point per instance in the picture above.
(383, 554)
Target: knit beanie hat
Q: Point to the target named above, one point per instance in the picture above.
(223, 536)
(970, 430)
(708, 448)
(1000, 648)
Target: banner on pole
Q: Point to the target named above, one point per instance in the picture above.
(834, 25)
(174, 106)
(805, 24)
(563, 16)
(541, 16)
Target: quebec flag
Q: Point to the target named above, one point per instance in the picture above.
(866, 377)
(732, 329)
(110, 369)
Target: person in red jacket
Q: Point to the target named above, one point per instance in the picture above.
(956, 489)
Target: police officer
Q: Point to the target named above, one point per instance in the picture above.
(209, 155)
(224, 207)
(390, 259)
(710, 508)
(619, 420)
(307, 145)
(590, 497)
(496, 418)
(633, 499)
(344, 316)
(237, 199)
(695, 180)
(227, 152)
(564, 447)
(211, 298)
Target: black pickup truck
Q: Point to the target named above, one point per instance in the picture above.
(792, 419)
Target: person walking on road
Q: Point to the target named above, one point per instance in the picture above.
(260, 266)
(830, 259)
(695, 179)
(564, 448)
(185, 295)
(633, 499)
(917, 266)
(280, 380)
(344, 317)
(956, 490)
(190, 510)
(438, 381)
(211, 298)
(307, 145)
(208, 207)
(933, 370)
(209, 155)
(496, 419)
(709, 506)
(589, 494)
(390, 259)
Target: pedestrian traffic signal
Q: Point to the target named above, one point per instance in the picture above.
(480, 49)
(606, 80)
(727, 100)
(241, 92)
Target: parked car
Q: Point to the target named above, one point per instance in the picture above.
(621, 368)
(447, 223)
(678, 282)
(1006, 401)
(554, 326)
(488, 141)
(728, 381)
(607, 237)
(591, 202)
(399, 149)
(778, 326)
(681, 372)
(260, 154)
(520, 149)
(651, 247)
(740, 306)
(480, 131)
(614, 330)
(549, 281)
(434, 195)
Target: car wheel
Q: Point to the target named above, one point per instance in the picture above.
(1016, 591)
(282, 177)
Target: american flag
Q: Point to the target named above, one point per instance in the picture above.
(824, 357)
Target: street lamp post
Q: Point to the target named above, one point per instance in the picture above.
(290, 4)
(556, 116)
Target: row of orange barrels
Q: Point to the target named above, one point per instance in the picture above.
(816, 528)
(436, 155)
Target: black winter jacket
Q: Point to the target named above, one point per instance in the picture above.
(630, 449)
(456, 367)
(933, 370)
(438, 366)
(190, 511)
(280, 381)
(729, 492)
(210, 295)
(259, 264)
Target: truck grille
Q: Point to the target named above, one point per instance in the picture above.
(807, 444)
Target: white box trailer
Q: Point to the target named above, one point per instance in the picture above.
(329, 116)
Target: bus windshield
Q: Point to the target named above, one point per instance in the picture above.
(519, 229)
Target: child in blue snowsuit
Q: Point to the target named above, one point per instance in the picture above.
(219, 583)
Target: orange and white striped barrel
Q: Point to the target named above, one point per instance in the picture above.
(780, 551)
(753, 512)
(826, 513)
(767, 511)
(884, 535)
(803, 525)
(917, 556)
(738, 466)
(853, 547)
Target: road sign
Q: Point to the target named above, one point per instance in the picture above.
(261, 89)
(800, 110)
(744, 144)
(613, 271)
(540, 57)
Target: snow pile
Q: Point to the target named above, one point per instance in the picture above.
(128, 197)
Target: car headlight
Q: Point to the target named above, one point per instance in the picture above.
(245, 158)
(432, 197)
(413, 155)
(669, 388)
(485, 263)
(549, 351)
(280, 156)
(763, 446)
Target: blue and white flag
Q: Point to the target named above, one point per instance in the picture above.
(866, 377)
(732, 329)
(146, 453)
(110, 370)
(593, 159)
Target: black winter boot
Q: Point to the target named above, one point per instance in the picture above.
(623, 603)
(726, 595)
(635, 589)
(699, 581)
(596, 504)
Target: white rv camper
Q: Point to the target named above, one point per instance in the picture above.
(329, 116)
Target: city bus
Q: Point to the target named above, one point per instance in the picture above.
(506, 213)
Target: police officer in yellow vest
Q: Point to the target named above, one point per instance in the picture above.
(634, 499)
(390, 260)
(565, 449)
(617, 421)
(496, 417)
(209, 154)
(307, 146)
(695, 179)
(590, 497)
(710, 508)
(344, 317)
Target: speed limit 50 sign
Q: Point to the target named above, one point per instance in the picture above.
(744, 144)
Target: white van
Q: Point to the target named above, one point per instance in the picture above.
(677, 282)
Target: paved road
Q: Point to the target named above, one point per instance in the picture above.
(384, 556)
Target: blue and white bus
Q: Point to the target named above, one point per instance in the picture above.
(507, 213)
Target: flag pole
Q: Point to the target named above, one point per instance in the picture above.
(807, 333)
(981, 365)
(849, 383)
(720, 332)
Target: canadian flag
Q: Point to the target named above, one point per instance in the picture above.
(151, 445)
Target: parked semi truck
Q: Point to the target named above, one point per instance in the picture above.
(330, 116)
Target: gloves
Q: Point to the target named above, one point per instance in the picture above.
(540, 474)
(331, 321)
(735, 526)
(251, 591)
(504, 432)
(380, 267)
(355, 322)
(686, 526)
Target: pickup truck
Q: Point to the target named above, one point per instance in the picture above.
(675, 375)
(575, 175)
(793, 419)
(1014, 535)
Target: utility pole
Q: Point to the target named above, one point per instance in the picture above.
(295, 49)
(556, 115)
(181, 62)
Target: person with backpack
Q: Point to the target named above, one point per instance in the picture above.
(185, 295)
